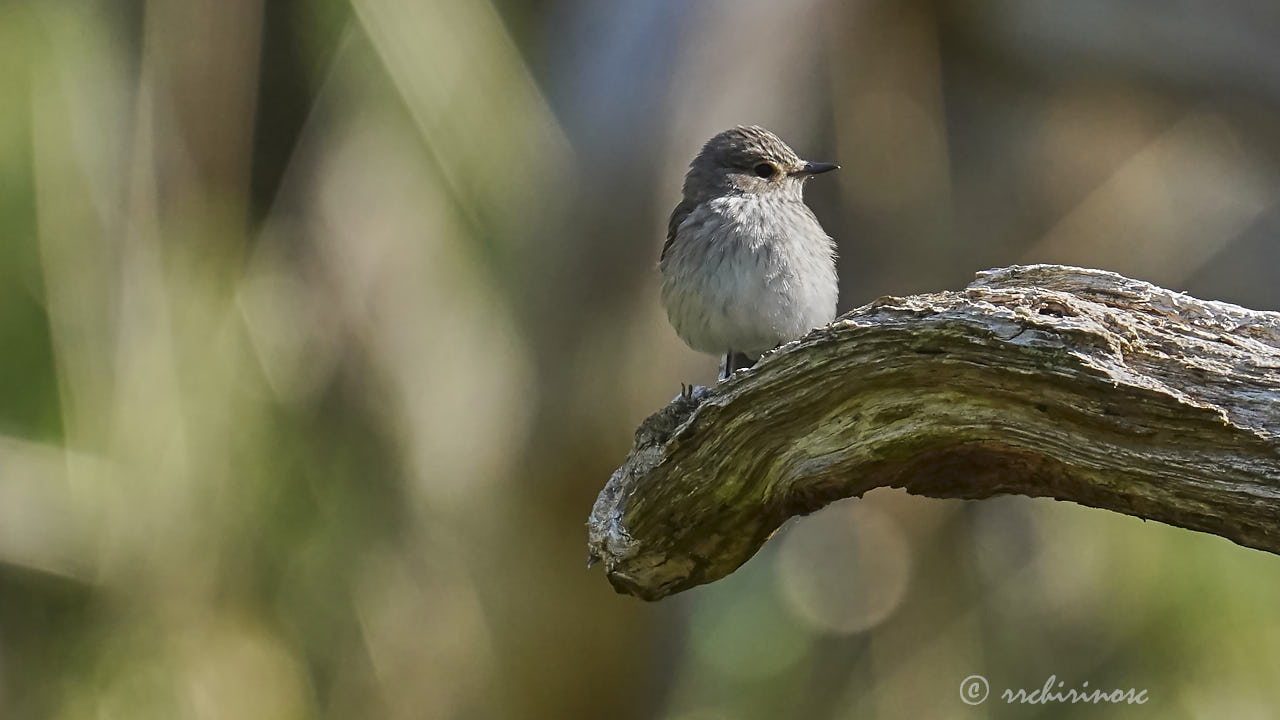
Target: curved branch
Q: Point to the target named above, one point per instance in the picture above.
(1042, 380)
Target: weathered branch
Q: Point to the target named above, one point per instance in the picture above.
(1045, 381)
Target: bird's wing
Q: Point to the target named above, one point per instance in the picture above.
(677, 216)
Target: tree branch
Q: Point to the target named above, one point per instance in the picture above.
(1042, 380)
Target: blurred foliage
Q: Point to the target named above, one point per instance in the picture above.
(323, 323)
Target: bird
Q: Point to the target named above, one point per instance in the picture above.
(746, 265)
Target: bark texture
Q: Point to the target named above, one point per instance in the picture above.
(1042, 380)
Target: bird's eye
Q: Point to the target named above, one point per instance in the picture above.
(766, 170)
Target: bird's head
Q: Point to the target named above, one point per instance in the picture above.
(749, 160)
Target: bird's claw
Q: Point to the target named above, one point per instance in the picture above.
(691, 393)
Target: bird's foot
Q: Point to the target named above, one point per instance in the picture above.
(691, 393)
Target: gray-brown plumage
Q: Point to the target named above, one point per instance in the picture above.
(746, 266)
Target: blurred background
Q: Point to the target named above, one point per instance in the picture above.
(322, 324)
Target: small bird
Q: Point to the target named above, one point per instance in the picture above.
(746, 266)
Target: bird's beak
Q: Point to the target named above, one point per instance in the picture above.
(815, 168)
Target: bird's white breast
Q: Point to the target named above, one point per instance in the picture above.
(748, 272)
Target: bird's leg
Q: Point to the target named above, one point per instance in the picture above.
(734, 361)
